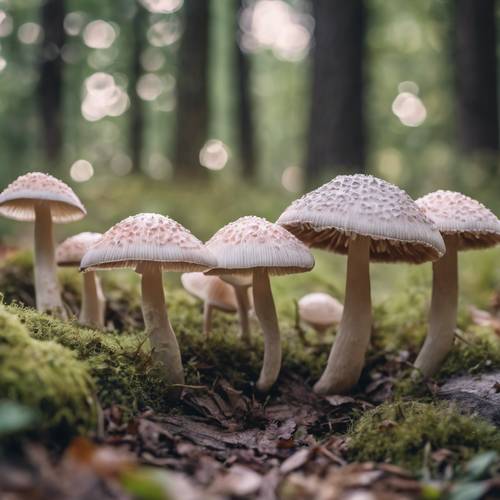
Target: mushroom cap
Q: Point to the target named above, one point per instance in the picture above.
(243, 280)
(210, 289)
(364, 205)
(19, 198)
(148, 239)
(456, 213)
(320, 309)
(254, 243)
(71, 251)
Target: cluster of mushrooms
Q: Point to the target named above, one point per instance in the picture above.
(364, 217)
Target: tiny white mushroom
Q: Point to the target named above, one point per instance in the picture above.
(320, 310)
(69, 253)
(150, 244)
(465, 224)
(367, 219)
(45, 200)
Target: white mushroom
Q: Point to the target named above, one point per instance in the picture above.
(465, 224)
(320, 310)
(214, 293)
(256, 247)
(69, 254)
(150, 244)
(45, 200)
(368, 219)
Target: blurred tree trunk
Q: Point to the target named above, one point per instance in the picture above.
(244, 106)
(476, 74)
(192, 89)
(50, 85)
(336, 130)
(136, 104)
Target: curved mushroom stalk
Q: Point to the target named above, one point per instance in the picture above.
(443, 311)
(48, 294)
(266, 313)
(207, 318)
(93, 301)
(347, 356)
(241, 293)
(166, 353)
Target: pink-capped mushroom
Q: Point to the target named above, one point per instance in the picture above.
(252, 246)
(69, 253)
(464, 224)
(320, 310)
(151, 244)
(45, 200)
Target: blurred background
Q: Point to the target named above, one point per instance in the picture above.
(208, 110)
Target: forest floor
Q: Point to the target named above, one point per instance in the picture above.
(216, 438)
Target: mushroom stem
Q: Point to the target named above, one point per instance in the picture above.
(207, 318)
(48, 294)
(241, 293)
(347, 356)
(443, 311)
(166, 353)
(93, 302)
(266, 313)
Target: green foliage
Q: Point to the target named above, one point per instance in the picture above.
(399, 432)
(46, 378)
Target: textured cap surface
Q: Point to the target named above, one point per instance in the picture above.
(148, 239)
(18, 199)
(456, 213)
(210, 289)
(252, 243)
(364, 205)
(71, 251)
(320, 309)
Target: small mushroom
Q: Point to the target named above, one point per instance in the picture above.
(69, 254)
(368, 219)
(256, 247)
(464, 224)
(150, 244)
(45, 200)
(215, 294)
(320, 311)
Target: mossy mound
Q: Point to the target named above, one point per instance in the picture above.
(400, 432)
(47, 378)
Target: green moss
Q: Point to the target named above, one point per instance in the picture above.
(399, 432)
(45, 377)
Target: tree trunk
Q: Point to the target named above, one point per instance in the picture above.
(336, 130)
(244, 105)
(50, 85)
(192, 89)
(476, 75)
(136, 104)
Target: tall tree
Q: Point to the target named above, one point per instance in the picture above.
(244, 106)
(192, 89)
(476, 74)
(336, 129)
(136, 129)
(50, 85)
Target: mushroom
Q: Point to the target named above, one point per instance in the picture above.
(367, 219)
(464, 224)
(45, 200)
(150, 244)
(320, 310)
(253, 246)
(69, 254)
(215, 294)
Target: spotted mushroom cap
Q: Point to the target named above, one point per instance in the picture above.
(320, 309)
(210, 289)
(456, 213)
(19, 198)
(148, 239)
(71, 251)
(330, 215)
(254, 243)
